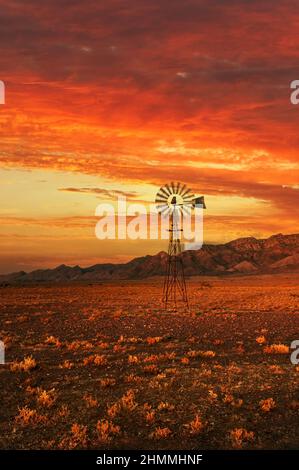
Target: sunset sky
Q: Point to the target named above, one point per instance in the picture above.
(110, 95)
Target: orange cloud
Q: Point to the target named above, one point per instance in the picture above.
(147, 92)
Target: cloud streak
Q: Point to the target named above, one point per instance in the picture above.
(146, 92)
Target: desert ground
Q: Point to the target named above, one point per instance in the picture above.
(104, 366)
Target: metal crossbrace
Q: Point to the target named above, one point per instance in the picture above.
(174, 288)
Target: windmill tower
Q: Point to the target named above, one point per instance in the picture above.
(173, 201)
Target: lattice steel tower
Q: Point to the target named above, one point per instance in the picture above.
(174, 282)
(173, 201)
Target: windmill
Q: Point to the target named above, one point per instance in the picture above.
(174, 200)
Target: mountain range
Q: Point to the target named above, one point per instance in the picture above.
(241, 256)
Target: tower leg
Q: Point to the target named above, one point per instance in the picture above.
(175, 289)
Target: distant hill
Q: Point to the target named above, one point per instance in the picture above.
(279, 253)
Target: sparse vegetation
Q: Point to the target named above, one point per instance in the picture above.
(267, 405)
(241, 437)
(161, 433)
(107, 430)
(28, 363)
(109, 374)
(277, 349)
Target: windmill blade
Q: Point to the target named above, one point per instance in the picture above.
(182, 189)
(161, 199)
(166, 210)
(186, 210)
(178, 186)
(162, 190)
(168, 189)
(188, 197)
(188, 204)
(161, 207)
(182, 210)
(187, 200)
(186, 192)
(185, 204)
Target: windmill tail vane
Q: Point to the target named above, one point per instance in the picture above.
(174, 200)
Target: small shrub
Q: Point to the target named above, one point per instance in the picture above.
(267, 405)
(164, 405)
(45, 398)
(66, 365)
(27, 417)
(90, 401)
(195, 426)
(240, 436)
(153, 340)
(133, 359)
(52, 340)
(107, 382)
(106, 430)
(277, 349)
(260, 340)
(161, 433)
(28, 363)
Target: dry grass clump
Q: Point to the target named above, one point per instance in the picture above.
(126, 403)
(97, 360)
(45, 398)
(107, 430)
(151, 369)
(78, 438)
(150, 416)
(276, 370)
(151, 358)
(100, 360)
(118, 348)
(90, 401)
(131, 340)
(160, 433)
(208, 354)
(267, 405)
(261, 340)
(52, 340)
(240, 436)
(28, 363)
(66, 365)
(113, 410)
(228, 398)
(133, 359)
(277, 349)
(107, 382)
(195, 426)
(75, 345)
(164, 405)
(132, 378)
(193, 354)
(213, 395)
(185, 360)
(153, 340)
(63, 411)
(28, 416)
